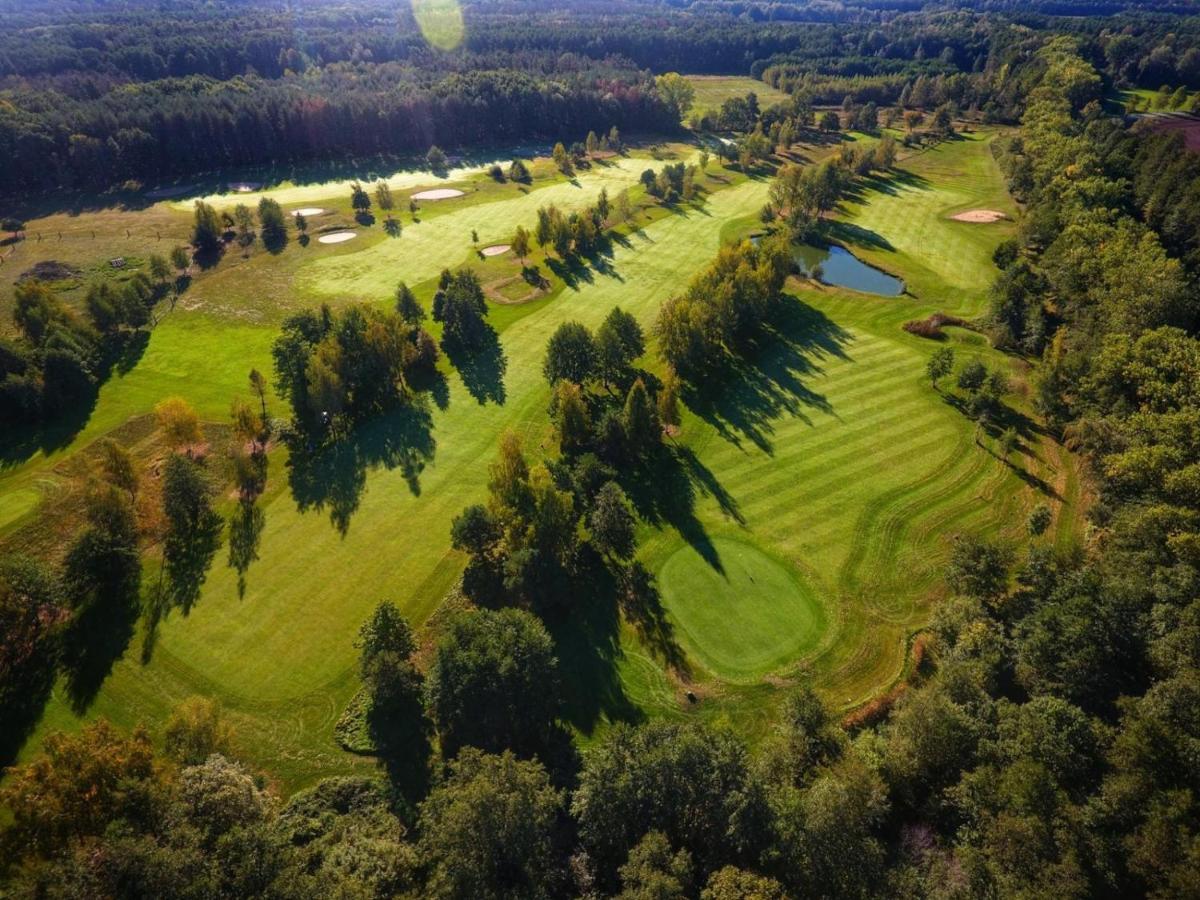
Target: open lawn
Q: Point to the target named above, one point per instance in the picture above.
(713, 90)
(797, 532)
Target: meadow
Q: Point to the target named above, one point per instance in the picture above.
(822, 483)
(713, 90)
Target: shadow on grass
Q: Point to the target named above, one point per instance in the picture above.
(482, 368)
(20, 442)
(767, 381)
(186, 560)
(97, 638)
(1002, 418)
(845, 232)
(333, 475)
(587, 640)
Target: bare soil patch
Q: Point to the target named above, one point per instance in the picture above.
(508, 291)
(437, 194)
(337, 237)
(48, 270)
(984, 216)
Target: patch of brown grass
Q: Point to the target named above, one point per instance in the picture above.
(932, 326)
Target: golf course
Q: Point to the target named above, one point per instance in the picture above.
(821, 484)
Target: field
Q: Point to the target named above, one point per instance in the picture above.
(821, 486)
(713, 90)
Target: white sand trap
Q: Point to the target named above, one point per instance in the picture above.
(169, 192)
(308, 211)
(337, 237)
(245, 187)
(495, 250)
(437, 194)
(979, 215)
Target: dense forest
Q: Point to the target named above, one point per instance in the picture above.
(106, 95)
(1048, 744)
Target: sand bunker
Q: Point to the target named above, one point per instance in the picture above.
(308, 211)
(169, 192)
(337, 237)
(437, 194)
(495, 250)
(244, 187)
(979, 215)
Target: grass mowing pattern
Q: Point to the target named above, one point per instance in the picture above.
(777, 618)
(830, 454)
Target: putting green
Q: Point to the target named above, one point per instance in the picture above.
(745, 619)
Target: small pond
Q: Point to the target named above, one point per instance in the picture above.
(842, 268)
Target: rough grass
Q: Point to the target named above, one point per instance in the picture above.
(713, 90)
(829, 472)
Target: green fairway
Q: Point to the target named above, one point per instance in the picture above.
(747, 619)
(823, 482)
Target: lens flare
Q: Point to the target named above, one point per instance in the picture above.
(440, 21)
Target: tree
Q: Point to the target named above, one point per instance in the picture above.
(360, 200)
(195, 731)
(562, 159)
(570, 354)
(160, 268)
(640, 420)
(120, 468)
(676, 92)
(732, 883)
(614, 139)
(520, 243)
(1039, 520)
(691, 783)
(407, 306)
(179, 422)
(489, 831)
(186, 499)
(830, 121)
(206, 232)
(13, 226)
(653, 872)
(972, 376)
(570, 416)
(592, 144)
(258, 384)
(940, 364)
(885, 152)
(611, 522)
(436, 159)
(78, 785)
(396, 718)
(383, 196)
(247, 426)
(493, 683)
(274, 224)
(619, 341)
(244, 219)
(181, 259)
(978, 568)
(518, 172)
(943, 120)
